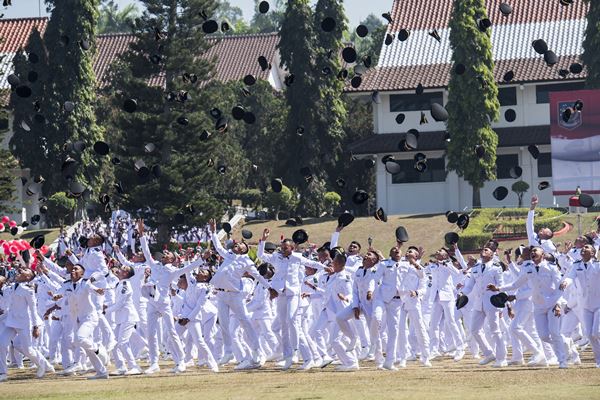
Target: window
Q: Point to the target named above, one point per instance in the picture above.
(541, 91)
(507, 96)
(504, 163)
(414, 102)
(544, 164)
(436, 172)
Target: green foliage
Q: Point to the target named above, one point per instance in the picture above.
(520, 188)
(282, 201)
(473, 97)
(30, 146)
(70, 77)
(251, 197)
(591, 44)
(186, 177)
(269, 22)
(8, 165)
(505, 223)
(59, 209)
(113, 20)
(332, 201)
(371, 44)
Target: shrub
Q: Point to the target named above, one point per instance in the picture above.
(59, 209)
(332, 201)
(251, 198)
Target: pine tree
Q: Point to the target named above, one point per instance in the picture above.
(473, 97)
(8, 165)
(331, 115)
(30, 136)
(70, 41)
(170, 45)
(591, 44)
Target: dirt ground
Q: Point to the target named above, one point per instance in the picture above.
(445, 380)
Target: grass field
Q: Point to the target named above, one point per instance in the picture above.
(446, 380)
(50, 233)
(425, 230)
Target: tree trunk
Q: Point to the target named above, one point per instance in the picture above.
(520, 197)
(163, 235)
(277, 211)
(476, 197)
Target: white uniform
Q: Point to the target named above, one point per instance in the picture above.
(125, 317)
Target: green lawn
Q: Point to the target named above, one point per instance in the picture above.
(425, 230)
(51, 234)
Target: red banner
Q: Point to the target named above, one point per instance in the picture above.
(575, 138)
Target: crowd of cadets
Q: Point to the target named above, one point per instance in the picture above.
(311, 307)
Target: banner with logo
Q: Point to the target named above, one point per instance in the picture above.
(575, 138)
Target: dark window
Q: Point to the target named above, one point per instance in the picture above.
(414, 102)
(507, 96)
(544, 163)
(504, 163)
(436, 172)
(541, 91)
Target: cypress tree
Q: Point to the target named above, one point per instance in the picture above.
(30, 136)
(70, 41)
(331, 115)
(473, 97)
(8, 164)
(169, 45)
(591, 44)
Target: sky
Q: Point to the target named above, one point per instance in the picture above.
(355, 9)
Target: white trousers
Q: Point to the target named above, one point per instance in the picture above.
(22, 342)
(233, 302)
(163, 312)
(84, 338)
(548, 327)
(493, 320)
(591, 326)
(443, 309)
(287, 306)
(122, 352)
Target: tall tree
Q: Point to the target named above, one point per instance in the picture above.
(114, 20)
(331, 115)
(8, 165)
(269, 22)
(473, 97)
(29, 143)
(591, 44)
(154, 73)
(71, 44)
(298, 55)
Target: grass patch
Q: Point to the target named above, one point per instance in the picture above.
(50, 233)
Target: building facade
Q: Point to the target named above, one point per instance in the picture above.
(524, 113)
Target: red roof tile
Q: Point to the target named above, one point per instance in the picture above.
(15, 32)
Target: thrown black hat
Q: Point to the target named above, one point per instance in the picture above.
(585, 200)
(77, 188)
(540, 46)
(345, 219)
(400, 118)
(35, 219)
(380, 215)
(130, 105)
(13, 80)
(101, 148)
(401, 234)
(438, 112)
(328, 24)
(500, 193)
(349, 55)
(392, 167)
(451, 238)
(226, 227)
(360, 196)
(362, 31)
(459, 69)
(576, 68)
(543, 185)
(403, 34)
(300, 236)
(463, 221)
(291, 222)
(37, 242)
(516, 172)
(483, 24)
(276, 185)
(246, 234)
(534, 151)
(505, 9)
(340, 182)
(510, 115)
(480, 151)
(249, 80)
(263, 7)
(508, 76)
(389, 39)
(451, 217)
(238, 112)
(210, 26)
(43, 209)
(420, 166)
(550, 58)
(461, 301)
(499, 300)
(434, 34)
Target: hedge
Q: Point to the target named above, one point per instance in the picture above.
(484, 222)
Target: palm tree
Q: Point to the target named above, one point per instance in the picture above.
(113, 20)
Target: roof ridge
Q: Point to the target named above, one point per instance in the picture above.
(244, 35)
(24, 19)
